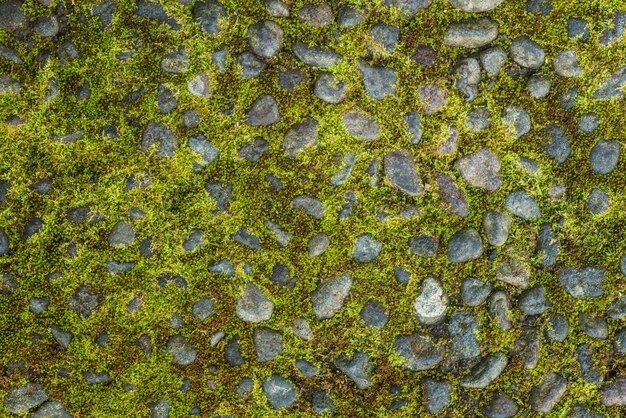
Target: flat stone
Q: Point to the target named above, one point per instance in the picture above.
(378, 82)
(471, 33)
(500, 405)
(306, 368)
(253, 305)
(465, 245)
(265, 38)
(597, 201)
(268, 343)
(467, 77)
(557, 142)
(360, 125)
(431, 303)
(463, 329)
(200, 85)
(175, 62)
(246, 239)
(232, 352)
(280, 392)
(366, 248)
(330, 89)
(318, 244)
(283, 237)
(182, 351)
(546, 394)
(157, 132)
(423, 246)
(315, 56)
(527, 53)
(312, 206)
(203, 308)
(556, 329)
(349, 16)
(481, 169)
(419, 352)
(583, 283)
(25, 397)
(299, 136)
(433, 98)
(584, 356)
(611, 87)
(97, 378)
(374, 314)
(492, 60)
(475, 6)
(615, 393)
(329, 295)
(517, 120)
(604, 156)
(486, 371)
(209, 14)
(527, 346)
(437, 394)
(263, 112)
(400, 171)
(408, 7)
(474, 291)
(195, 240)
(594, 326)
(316, 15)
(522, 205)
(51, 409)
(566, 64)
(356, 367)
(496, 226)
(452, 196)
(534, 301)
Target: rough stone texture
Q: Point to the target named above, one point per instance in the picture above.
(253, 305)
(400, 171)
(546, 394)
(329, 295)
(481, 169)
(471, 33)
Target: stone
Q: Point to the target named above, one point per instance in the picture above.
(418, 351)
(423, 246)
(492, 60)
(9, 85)
(282, 276)
(568, 99)
(195, 240)
(463, 328)
(157, 132)
(374, 314)
(316, 15)
(583, 283)
(97, 378)
(611, 87)
(481, 169)
(280, 392)
(200, 85)
(360, 125)
(302, 329)
(263, 112)
(597, 201)
(330, 89)
(475, 6)
(471, 33)
(346, 164)
(175, 62)
(265, 38)
(318, 244)
(556, 329)
(594, 326)
(311, 206)
(546, 394)
(222, 194)
(306, 368)
(329, 295)
(486, 371)
(589, 122)
(527, 53)
(617, 308)
(245, 386)
(604, 156)
(582, 411)
(577, 28)
(155, 11)
(315, 56)
(584, 356)
(251, 66)
(232, 352)
(209, 14)
(277, 8)
(203, 308)
(474, 292)
(431, 303)
(499, 308)
(283, 237)
(379, 82)
(253, 305)
(522, 205)
(366, 248)
(437, 394)
(496, 226)
(357, 367)
(539, 7)
(47, 26)
(500, 405)
(516, 120)
(175, 279)
(534, 301)
(268, 343)
(433, 98)
(539, 85)
(246, 239)
(321, 402)
(182, 351)
(4, 243)
(615, 393)
(349, 16)
(513, 271)
(452, 196)
(160, 409)
(38, 305)
(465, 245)
(557, 142)
(408, 7)
(616, 29)
(527, 346)
(299, 136)
(467, 77)
(84, 300)
(12, 15)
(400, 171)
(51, 409)
(413, 126)
(25, 397)
(385, 36)
(424, 55)
(565, 64)
(547, 246)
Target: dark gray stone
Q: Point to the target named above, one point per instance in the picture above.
(203, 308)
(437, 394)
(522, 205)
(315, 56)
(329, 295)
(47, 26)
(208, 14)
(349, 16)
(527, 346)
(176, 61)
(182, 350)
(617, 308)
(463, 329)
(499, 309)
(84, 300)
(546, 394)
(583, 283)
(619, 340)
(400, 171)
(474, 291)
(534, 301)
(156, 131)
(500, 405)
(419, 352)
(566, 64)
(253, 150)
(527, 53)
(12, 15)
(97, 378)
(465, 245)
(597, 201)
(432, 97)
(175, 279)
(374, 314)
(51, 409)
(408, 7)
(486, 371)
(195, 240)
(557, 143)
(385, 36)
(263, 112)
(27, 396)
(577, 28)
(478, 119)
(321, 402)
(616, 29)
(299, 136)
(265, 38)
(330, 89)
(306, 368)
(316, 15)
(9, 85)
(492, 60)
(594, 326)
(312, 206)
(280, 392)
(547, 246)
(517, 120)
(423, 246)
(584, 356)
(568, 99)
(155, 11)
(251, 66)
(245, 386)
(378, 82)
(246, 239)
(366, 248)
(232, 352)
(221, 193)
(604, 156)
(496, 226)
(361, 125)
(38, 305)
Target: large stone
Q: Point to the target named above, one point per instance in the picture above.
(471, 33)
(527, 53)
(329, 295)
(496, 226)
(280, 392)
(315, 56)
(157, 132)
(566, 64)
(268, 343)
(366, 248)
(12, 15)
(299, 136)
(400, 171)
(486, 371)
(361, 125)
(604, 155)
(378, 82)
(25, 397)
(465, 245)
(182, 351)
(316, 15)
(437, 394)
(253, 305)
(615, 393)
(583, 283)
(209, 14)
(500, 405)
(481, 169)
(409, 7)
(357, 367)
(522, 205)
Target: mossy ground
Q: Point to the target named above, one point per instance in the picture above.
(94, 170)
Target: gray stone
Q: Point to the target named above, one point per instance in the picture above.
(318, 244)
(431, 303)
(474, 291)
(306, 368)
(32, 227)
(209, 14)
(617, 308)
(534, 301)
(615, 393)
(160, 409)
(330, 89)
(583, 283)
(360, 125)
(200, 85)
(253, 150)
(155, 11)
(522, 205)
(557, 142)
(51, 409)
(156, 131)
(547, 246)
(97, 378)
(246, 239)
(582, 411)
(263, 112)
(577, 28)
(302, 329)
(312, 206)
(604, 156)
(594, 326)
(539, 85)
(28, 396)
(9, 85)
(539, 7)
(282, 276)
(283, 237)
(12, 15)
(433, 98)
(496, 226)
(413, 126)
(38, 305)
(9, 54)
(616, 29)
(385, 36)
(265, 38)
(374, 314)
(474, 6)
(232, 352)
(315, 56)
(437, 394)
(452, 196)
(268, 343)
(597, 201)
(527, 53)
(366, 248)
(68, 138)
(182, 351)
(423, 246)
(253, 305)
(481, 169)
(546, 394)
(280, 392)
(568, 99)
(329, 295)
(321, 402)
(486, 371)
(316, 15)
(478, 119)
(471, 33)
(463, 329)
(191, 119)
(517, 120)
(349, 16)
(299, 136)
(357, 367)
(611, 87)
(419, 352)
(251, 66)
(556, 328)
(492, 60)
(203, 308)
(619, 340)
(222, 193)
(277, 8)
(566, 64)
(588, 122)
(245, 386)
(527, 346)
(378, 82)
(175, 279)
(346, 164)
(175, 62)
(408, 7)
(499, 309)
(584, 356)
(465, 245)
(512, 270)
(4, 243)
(195, 240)
(467, 77)
(84, 300)
(500, 405)
(47, 26)
(400, 171)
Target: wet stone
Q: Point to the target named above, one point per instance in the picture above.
(400, 171)
(265, 38)
(25, 397)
